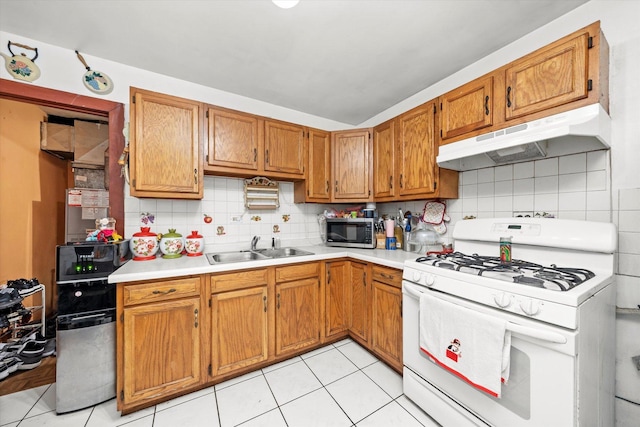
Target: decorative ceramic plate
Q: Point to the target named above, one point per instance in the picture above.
(97, 82)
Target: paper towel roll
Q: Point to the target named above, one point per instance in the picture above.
(389, 226)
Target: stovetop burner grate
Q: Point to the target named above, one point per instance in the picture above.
(517, 271)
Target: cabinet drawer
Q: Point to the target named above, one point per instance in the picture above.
(297, 271)
(390, 276)
(238, 280)
(160, 291)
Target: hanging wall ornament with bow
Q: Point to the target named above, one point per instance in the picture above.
(96, 81)
(20, 66)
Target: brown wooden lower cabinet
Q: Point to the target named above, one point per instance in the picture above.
(170, 331)
(239, 329)
(386, 315)
(159, 348)
(360, 313)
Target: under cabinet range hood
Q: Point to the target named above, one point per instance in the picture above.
(571, 132)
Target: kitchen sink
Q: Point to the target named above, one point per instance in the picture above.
(239, 256)
(283, 252)
(260, 254)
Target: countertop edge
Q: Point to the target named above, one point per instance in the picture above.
(134, 271)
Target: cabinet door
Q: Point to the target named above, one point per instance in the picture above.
(417, 151)
(384, 160)
(386, 323)
(319, 172)
(284, 148)
(233, 139)
(239, 329)
(297, 315)
(336, 291)
(164, 146)
(161, 349)
(350, 153)
(359, 302)
(555, 76)
(467, 108)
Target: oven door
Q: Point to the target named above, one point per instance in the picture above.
(541, 389)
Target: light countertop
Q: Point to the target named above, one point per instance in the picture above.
(161, 268)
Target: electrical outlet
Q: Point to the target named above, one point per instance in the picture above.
(236, 218)
(525, 214)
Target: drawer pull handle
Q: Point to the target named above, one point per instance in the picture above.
(486, 105)
(264, 299)
(278, 302)
(195, 312)
(157, 292)
(509, 96)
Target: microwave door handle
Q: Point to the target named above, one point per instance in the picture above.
(549, 336)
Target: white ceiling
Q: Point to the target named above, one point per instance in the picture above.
(342, 60)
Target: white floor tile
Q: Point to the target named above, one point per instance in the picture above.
(106, 415)
(281, 364)
(317, 351)
(183, 399)
(237, 380)
(50, 419)
(270, 419)
(291, 382)
(358, 395)
(199, 412)
(46, 403)
(390, 415)
(342, 342)
(417, 413)
(358, 355)
(330, 366)
(243, 401)
(14, 406)
(388, 379)
(315, 409)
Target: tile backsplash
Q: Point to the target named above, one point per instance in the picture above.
(574, 187)
(571, 187)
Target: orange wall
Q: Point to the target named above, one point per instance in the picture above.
(32, 185)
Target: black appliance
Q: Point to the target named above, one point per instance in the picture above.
(85, 326)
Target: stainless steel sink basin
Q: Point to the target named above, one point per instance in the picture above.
(260, 254)
(284, 252)
(239, 256)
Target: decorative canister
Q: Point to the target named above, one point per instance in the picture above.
(194, 244)
(171, 244)
(144, 244)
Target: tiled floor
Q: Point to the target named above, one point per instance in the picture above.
(338, 385)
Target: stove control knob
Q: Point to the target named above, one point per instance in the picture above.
(429, 279)
(530, 307)
(502, 300)
(417, 276)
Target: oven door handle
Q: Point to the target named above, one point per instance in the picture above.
(549, 336)
(536, 333)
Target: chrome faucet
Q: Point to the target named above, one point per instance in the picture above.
(254, 242)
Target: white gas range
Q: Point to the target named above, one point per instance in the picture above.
(557, 299)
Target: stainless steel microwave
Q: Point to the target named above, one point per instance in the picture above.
(351, 232)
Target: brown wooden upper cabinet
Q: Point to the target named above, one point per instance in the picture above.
(555, 75)
(164, 142)
(242, 144)
(284, 148)
(467, 108)
(317, 186)
(416, 142)
(233, 139)
(351, 173)
(384, 148)
(570, 73)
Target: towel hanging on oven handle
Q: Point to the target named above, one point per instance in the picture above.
(549, 336)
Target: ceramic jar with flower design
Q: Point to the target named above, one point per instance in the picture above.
(144, 245)
(194, 244)
(171, 244)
